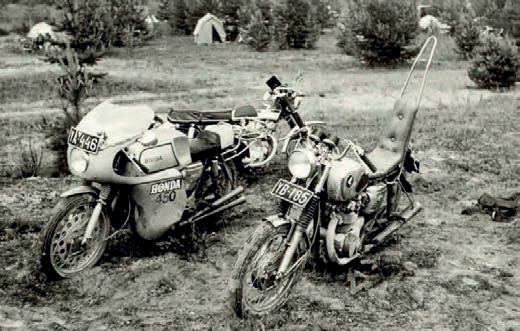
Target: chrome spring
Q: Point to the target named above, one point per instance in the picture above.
(308, 212)
(104, 191)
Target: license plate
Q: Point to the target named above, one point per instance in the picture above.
(292, 193)
(84, 141)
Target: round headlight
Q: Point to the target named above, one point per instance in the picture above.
(78, 161)
(302, 163)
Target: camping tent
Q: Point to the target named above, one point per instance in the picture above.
(42, 29)
(431, 23)
(209, 29)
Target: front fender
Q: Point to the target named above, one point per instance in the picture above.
(79, 190)
(276, 220)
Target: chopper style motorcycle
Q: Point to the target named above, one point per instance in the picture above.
(256, 141)
(139, 173)
(340, 204)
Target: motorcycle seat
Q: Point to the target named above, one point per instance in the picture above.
(247, 111)
(207, 117)
(391, 148)
(200, 117)
(207, 143)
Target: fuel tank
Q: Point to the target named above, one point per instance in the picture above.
(161, 148)
(347, 178)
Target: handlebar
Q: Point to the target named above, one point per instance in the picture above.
(331, 142)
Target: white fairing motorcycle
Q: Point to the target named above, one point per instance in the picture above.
(139, 173)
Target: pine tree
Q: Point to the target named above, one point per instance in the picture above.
(467, 35)
(229, 13)
(295, 24)
(496, 63)
(255, 31)
(165, 12)
(181, 19)
(380, 32)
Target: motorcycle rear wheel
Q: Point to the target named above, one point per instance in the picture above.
(62, 255)
(255, 269)
(269, 143)
(223, 183)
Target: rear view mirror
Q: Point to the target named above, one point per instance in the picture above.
(273, 82)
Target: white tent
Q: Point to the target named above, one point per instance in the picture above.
(209, 29)
(42, 29)
(431, 23)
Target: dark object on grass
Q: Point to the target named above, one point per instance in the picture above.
(500, 209)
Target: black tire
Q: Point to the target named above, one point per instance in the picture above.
(227, 178)
(62, 255)
(246, 268)
(213, 187)
(270, 144)
(232, 173)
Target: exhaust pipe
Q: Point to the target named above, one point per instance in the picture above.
(218, 205)
(227, 197)
(231, 204)
(406, 215)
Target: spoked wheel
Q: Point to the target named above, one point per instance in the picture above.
(255, 288)
(63, 255)
(261, 151)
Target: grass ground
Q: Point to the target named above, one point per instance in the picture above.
(468, 268)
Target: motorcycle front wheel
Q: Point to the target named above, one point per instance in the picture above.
(62, 254)
(255, 288)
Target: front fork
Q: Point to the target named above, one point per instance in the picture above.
(104, 191)
(308, 214)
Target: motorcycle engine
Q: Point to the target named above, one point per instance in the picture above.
(347, 178)
(376, 199)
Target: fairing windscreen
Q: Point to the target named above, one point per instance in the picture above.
(116, 122)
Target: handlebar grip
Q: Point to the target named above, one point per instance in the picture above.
(158, 119)
(317, 134)
(331, 140)
(369, 163)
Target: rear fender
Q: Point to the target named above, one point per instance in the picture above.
(80, 190)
